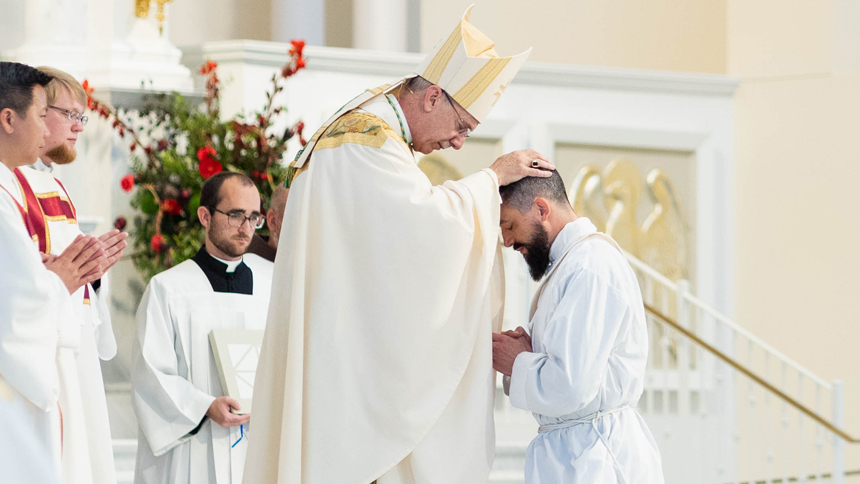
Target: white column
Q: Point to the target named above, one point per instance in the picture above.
(11, 28)
(55, 33)
(846, 37)
(126, 50)
(299, 19)
(380, 25)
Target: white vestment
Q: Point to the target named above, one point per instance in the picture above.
(175, 378)
(87, 446)
(590, 346)
(32, 301)
(377, 358)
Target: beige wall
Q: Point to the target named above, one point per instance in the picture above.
(796, 197)
(645, 34)
(194, 22)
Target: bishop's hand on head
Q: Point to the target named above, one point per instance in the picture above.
(82, 262)
(520, 164)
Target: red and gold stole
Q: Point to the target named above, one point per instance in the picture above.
(40, 208)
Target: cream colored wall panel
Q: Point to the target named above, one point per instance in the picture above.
(645, 34)
(768, 38)
(338, 23)
(194, 22)
(797, 230)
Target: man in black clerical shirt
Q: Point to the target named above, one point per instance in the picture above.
(189, 426)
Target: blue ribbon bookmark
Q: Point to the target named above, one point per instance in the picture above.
(242, 432)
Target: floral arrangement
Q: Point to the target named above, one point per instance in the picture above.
(174, 147)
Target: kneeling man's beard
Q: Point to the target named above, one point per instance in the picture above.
(61, 154)
(537, 256)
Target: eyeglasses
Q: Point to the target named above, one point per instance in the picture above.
(461, 130)
(236, 219)
(72, 115)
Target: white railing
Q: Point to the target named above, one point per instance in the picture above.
(749, 411)
(723, 405)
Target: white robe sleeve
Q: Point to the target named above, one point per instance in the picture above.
(103, 326)
(578, 339)
(166, 402)
(32, 300)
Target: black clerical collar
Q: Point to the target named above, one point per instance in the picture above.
(240, 281)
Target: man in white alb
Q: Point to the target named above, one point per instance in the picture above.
(36, 310)
(87, 449)
(188, 431)
(580, 366)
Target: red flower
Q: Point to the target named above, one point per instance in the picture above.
(208, 67)
(297, 47)
(162, 145)
(171, 207)
(132, 146)
(91, 104)
(148, 150)
(208, 164)
(127, 183)
(300, 63)
(206, 152)
(158, 243)
(119, 223)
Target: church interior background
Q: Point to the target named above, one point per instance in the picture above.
(714, 139)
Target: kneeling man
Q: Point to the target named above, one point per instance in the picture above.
(188, 432)
(580, 366)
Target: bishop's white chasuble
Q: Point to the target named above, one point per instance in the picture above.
(175, 377)
(377, 357)
(32, 303)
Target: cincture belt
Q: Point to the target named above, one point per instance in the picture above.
(592, 419)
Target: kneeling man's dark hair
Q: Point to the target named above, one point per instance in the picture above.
(521, 194)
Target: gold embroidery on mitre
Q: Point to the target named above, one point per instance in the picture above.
(358, 128)
(440, 61)
(472, 90)
(498, 94)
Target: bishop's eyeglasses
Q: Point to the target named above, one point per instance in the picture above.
(73, 116)
(237, 219)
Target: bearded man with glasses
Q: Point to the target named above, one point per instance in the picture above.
(189, 430)
(87, 449)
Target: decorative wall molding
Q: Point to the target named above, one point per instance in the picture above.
(394, 64)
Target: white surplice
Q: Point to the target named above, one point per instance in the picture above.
(377, 358)
(175, 378)
(87, 447)
(32, 300)
(590, 346)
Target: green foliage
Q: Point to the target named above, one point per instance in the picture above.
(176, 146)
